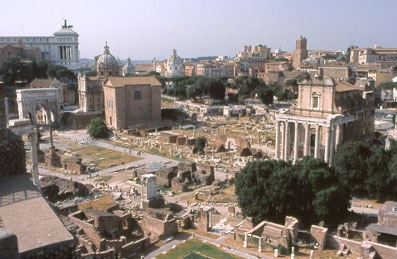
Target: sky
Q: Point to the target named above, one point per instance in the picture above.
(144, 29)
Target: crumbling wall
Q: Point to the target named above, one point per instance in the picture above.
(335, 242)
(159, 228)
(320, 235)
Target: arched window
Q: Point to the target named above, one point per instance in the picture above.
(315, 101)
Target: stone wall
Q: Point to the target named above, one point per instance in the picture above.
(334, 242)
(320, 236)
(79, 120)
(159, 228)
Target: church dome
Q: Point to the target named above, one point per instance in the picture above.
(106, 58)
(175, 59)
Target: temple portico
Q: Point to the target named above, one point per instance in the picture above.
(299, 136)
(325, 114)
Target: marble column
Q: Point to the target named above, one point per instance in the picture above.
(296, 141)
(277, 148)
(35, 167)
(286, 141)
(306, 148)
(332, 148)
(282, 140)
(327, 143)
(317, 142)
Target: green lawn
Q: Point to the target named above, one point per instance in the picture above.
(193, 248)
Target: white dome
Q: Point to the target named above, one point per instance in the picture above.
(175, 59)
(106, 58)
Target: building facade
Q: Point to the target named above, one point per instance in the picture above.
(300, 52)
(128, 68)
(386, 57)
(326, 114)
(174, 66)
(24, 52)
(60, 49)
(132, 102)
(90, 88)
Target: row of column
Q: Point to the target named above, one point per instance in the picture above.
(65, 53)
(333, 137)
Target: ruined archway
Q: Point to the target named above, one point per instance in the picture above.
(39, 105)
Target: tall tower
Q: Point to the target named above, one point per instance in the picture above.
(300, 52)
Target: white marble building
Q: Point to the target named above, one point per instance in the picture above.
(128, 68)
(174, 66)
(60, 49)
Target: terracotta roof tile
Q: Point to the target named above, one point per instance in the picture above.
(344, 87)
(136, 80)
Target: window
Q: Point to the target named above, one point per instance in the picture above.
(137, 95)
(315, 102)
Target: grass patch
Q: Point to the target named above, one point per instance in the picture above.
(102, 157)
(199, 248)
(99, 204)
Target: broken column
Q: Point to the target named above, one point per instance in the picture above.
(260, 245)
(35, 168)
(245, 240)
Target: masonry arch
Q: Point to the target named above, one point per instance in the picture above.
(38, 105)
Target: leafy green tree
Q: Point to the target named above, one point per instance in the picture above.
(322, 195)
(192, 92)
(91, 73)
(350, 165)
(199, 145)
(265, 94)
(216, 89)
(203, 84)
(180, 91)
(98, 128)
(378, 172)
(12, 69)
(309, 190)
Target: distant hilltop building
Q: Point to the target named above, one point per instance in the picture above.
(128, 68)
(300, 52)
(174, 66)
(385, 57)
(60, 49)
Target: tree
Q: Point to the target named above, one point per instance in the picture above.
(91, 73)
(326, 198)
(98, 128)
(202, 84)
(309, 190)
(61, 73)
(12, 69)
(180, 91)
(216, 89)
(199, 145)
(350, 165)
(265, 94)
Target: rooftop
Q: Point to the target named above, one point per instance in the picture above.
(343, 86)
(136, 80)
(26, 214)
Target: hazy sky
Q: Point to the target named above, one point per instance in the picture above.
(152, 28)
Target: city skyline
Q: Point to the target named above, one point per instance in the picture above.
(144, 30)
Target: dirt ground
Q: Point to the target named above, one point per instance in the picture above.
(102, 157)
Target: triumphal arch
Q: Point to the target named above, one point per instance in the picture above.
(41, 106)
